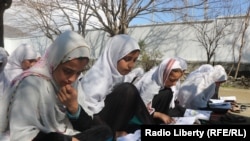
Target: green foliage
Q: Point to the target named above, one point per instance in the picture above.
(148, 58)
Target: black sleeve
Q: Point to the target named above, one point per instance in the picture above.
(83, 122)
(162, 100)
(53, 136)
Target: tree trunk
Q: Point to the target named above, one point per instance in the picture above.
(243, 42)
(1, 28)
(4, 4)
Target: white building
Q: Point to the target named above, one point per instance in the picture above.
(172, 39)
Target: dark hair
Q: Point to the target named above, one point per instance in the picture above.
(135, 51)
(82, 58)
(177, 70)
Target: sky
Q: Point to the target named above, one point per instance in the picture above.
(234, 7)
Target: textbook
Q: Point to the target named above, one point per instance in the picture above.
(185, 121)
(219, 104)
(198, 114)
(228, 98)
(222, 105)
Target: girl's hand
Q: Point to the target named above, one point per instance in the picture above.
(68, 96)
(74, 139)
(165, 118)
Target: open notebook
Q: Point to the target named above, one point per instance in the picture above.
(192, 117)
(185, 121)
(228, 98)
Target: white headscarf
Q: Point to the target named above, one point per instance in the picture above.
(103, 75)
(176, 87)
(203, 68)
(135, 73)
(154, 80)
(219, 74)
(37, 107)
(183, 63)
(196, 91)
(21, 53)
(4, 84)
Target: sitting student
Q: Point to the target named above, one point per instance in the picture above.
(207, 68)
(45, 105)
(197, 90)
(111, 100)
(155, 88)
(22, 58)
(177, 110)
(218, 83)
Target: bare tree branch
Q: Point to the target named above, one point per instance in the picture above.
(243, 40)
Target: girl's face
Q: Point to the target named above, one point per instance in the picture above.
(173, 77)
(68, 72)
(127, 63)
(26, 64)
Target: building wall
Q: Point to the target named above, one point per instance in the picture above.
(40, 43)
(173, 39)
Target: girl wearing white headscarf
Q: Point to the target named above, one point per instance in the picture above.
(176, 87)
(155, 88)
(108, 97)
(22, 58)
(196, 91)
(175, 109)
(45, 104)
(220, 69)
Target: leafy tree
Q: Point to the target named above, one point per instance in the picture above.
(148, 58)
